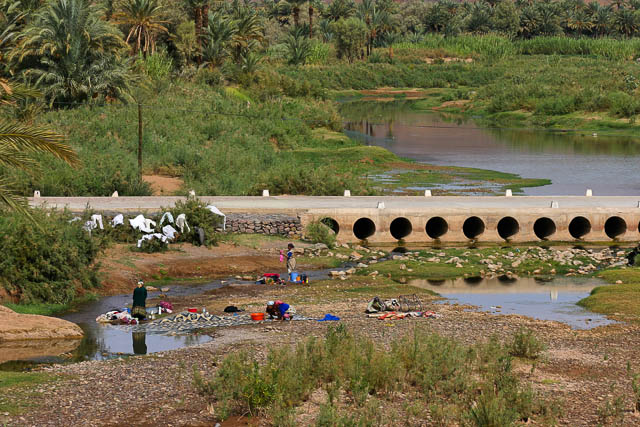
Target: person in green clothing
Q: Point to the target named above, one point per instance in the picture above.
(139, 301)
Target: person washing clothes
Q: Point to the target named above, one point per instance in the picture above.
(280, 310)
(138, 310)
(291, 261)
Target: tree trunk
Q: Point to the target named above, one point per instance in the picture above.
(198, 22)
(139, 141)
(310, 20)
(296, 16)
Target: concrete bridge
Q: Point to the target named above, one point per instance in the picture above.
(388, 219)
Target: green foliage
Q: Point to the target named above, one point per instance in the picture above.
(350, 36)
(73, 54)
(526, 344)
(422, 365)
(152, 246)
(157, 66)
(198, 217)
(298, 47)
(318, 232)
(46, 260)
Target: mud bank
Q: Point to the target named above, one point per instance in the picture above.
(23, 327)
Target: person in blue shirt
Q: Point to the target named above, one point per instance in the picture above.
(280, 310)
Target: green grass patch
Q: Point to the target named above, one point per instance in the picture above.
(17, 393)
(45, 309)
(617, 300)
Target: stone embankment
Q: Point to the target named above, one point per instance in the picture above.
(573, 262)
(16, 327)
(274, 224)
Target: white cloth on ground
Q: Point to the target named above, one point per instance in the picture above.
(169, 231)
(117, 220)
(216, 211)
(158, 236)
(168, 217)
(181, 222)
(143, 224)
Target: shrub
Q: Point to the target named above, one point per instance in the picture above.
(317, 232)
(213, 78)
(422, 366)
(198, 217)
(526, 344)
(46, 259)
(153, 246)
(623, 104)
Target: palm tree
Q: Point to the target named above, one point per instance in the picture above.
(340, 9)
(479, 17)
(298, 47)
(249, 32)
(625, 21)
(144, 19)
(18, 141)
(295, 8)
(579, 21)
(217, 39)
(602, 20)
(70, 51)
(199, 9)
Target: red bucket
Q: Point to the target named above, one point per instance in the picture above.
(192, 310)
(257, 316)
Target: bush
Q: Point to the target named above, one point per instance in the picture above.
(48, 258)
(623, 104)
(213, 78)
(198, 217)
(421, 366)
(317, 232)
(525, 344)
(153, 246)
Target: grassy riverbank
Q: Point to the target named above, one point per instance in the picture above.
(620, 300)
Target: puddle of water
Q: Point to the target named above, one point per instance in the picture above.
(545, 300)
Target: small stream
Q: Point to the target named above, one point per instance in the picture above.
(553, 300)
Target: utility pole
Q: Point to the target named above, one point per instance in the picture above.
(140, 141)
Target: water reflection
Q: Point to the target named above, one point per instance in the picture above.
(546, 300)
(572, 161)
(139, 342)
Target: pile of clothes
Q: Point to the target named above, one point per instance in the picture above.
(392, 315)
(122, 316)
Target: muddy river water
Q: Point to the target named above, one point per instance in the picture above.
(572, 161)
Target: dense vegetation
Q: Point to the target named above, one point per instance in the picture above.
(46, 260)
(233, 96)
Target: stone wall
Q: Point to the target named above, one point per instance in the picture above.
(274, 224)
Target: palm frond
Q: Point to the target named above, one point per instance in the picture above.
(21, 137)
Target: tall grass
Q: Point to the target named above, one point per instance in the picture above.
(473, 384)
(221, 142)
(494, 46)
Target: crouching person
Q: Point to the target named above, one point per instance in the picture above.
(280, 310)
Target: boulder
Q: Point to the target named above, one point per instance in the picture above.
(15, 327)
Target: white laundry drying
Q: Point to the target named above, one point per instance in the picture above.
(181, 222)
(169, 231)
(117, 220)
(143, 224)
(158, 236)
(216, 211)
(168, 216)
(96, 219)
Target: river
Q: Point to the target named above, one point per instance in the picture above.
(572, 161)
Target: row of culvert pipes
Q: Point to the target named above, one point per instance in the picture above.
(473, 227)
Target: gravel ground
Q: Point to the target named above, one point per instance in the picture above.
(581, 370)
